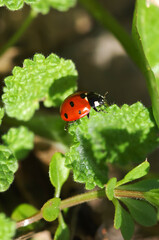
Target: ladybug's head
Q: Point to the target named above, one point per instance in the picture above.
(95, 99)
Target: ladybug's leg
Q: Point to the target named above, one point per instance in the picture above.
(66, 126)
(99, 110)
(88, 115)
(96, 109)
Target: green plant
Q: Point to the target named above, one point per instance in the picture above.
(121, 136)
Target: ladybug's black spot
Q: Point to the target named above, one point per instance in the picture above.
(72, 104)
(66, 116)
(79, 111)
(82, 95)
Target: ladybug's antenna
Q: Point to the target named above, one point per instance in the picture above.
(104, 97)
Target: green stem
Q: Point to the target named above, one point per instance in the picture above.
(57, 192)
(128, 194)
(109, 22)
(81, 198)
(27, 221)
(19, 32)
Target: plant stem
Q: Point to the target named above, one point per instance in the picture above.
(19, 32)
(81, 198)
(128, 194)
(109, 22)
(29, 220)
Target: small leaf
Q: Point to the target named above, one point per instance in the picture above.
(148, 187)
(19, 140)
(152, 196)
(38, 79)
(8, 166)
(62, 232)
(44, 6)
(62, 5)
(110, 188)
(141, 211)
(8, 227)
(58, 173)
(118, 214)
(12, 4)
(127, 225)
(23, 211)
(137, 172)
(39, 5)
(123, 220)
(51, 209)
(119, 135)
(142, 186)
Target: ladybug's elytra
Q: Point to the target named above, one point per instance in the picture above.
(79, 104)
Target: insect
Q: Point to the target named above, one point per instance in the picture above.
(79, 104)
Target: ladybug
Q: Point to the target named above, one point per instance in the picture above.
(79, 104)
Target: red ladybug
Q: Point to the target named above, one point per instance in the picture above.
(79, 104)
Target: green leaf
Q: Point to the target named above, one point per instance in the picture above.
(23, 211)
(118, 214)
(110, 188)
(58, 173)
(51, 209)
(63, 5)
(127, 225)
(7, 229)
(50, 127)
(123, 220)
(62, 232)
(39, 79)
(142, 186)
(12, 4)
(146, 35)
(137, 172)
(152, 196)
(8, 166)
(141, 211)
(44, 6)
(19, 140)
(119, 135)
(39, 5)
